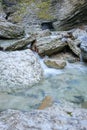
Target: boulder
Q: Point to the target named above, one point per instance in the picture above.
(68, 56)
(73, 47)
(56, 117)
(44, 33)
(84, 49)
(18, 70)
(10, 31)
(53, 63)
(49, 45)
(79, 33)
(20, 44)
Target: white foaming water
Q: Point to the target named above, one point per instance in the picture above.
(47, 71)
(79, 66)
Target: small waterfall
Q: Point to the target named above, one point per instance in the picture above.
(47, 71)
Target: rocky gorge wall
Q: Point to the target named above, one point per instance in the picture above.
(63, 14)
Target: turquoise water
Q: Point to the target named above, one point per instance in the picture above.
(69, 84)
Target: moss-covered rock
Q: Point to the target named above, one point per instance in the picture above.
(68, 14)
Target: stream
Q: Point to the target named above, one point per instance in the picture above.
(68, 84)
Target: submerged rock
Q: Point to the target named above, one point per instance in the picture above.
(18, 70)
(84, 104)
(47, 102)
(10, 31)
(53, 63)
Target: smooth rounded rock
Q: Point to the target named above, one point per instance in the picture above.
(53, 63)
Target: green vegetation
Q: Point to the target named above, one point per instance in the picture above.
(44, 8)
(21, 12)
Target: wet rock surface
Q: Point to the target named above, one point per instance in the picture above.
(18, 70)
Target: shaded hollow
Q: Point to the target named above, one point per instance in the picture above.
(47, 25)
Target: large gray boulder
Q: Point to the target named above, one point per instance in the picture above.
(10, 31)
(49, 45)
(18, 70)
(81, 35)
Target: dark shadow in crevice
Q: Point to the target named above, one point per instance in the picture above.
(47, 25)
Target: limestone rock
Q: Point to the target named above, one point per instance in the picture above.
(10, 31)
(73, 47)
(49, 45)
(53, 63)
(84, 49)
(63, 14)
(79, 33)
(18, 70)
(2, 13)
(71, 14)
(20, 44)
(68, 56)
(44, 33)
(58, 118)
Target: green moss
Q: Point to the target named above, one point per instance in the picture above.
(21, 12)
(44, 8)
(69, 113)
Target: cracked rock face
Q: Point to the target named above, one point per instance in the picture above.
(10, 31)
(18, 70)
(64, 14)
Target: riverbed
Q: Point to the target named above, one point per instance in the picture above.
(68, 84)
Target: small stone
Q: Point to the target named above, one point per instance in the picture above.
(53, 63)
(47, 102)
